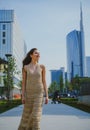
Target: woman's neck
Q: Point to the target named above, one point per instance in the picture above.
(33, 62)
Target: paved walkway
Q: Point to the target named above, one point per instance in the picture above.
(55, 117)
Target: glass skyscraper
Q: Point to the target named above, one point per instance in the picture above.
(55, 75)
(11, 39)
(76, 52)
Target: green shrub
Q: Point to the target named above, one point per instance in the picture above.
(68, 100)
(74, 103)
(6, 105)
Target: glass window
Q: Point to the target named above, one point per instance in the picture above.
(4, 34)
(4, 27)
(3, 41)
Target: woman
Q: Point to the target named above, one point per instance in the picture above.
(33, 88)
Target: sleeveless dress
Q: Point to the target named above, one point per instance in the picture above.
(33, 100)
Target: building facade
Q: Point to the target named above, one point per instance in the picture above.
(88, 66)
(11, 39)
(76, 52)
(73, 54)
(55, 75)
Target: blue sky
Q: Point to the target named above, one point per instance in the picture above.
(45, 24)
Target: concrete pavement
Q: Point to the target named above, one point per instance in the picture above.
(54, 117)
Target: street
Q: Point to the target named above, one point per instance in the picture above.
(54, 117)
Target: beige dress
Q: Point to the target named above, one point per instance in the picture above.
(34, 99)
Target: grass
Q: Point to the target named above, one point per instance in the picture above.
(80, 106)
(5, 105)
(74, 103)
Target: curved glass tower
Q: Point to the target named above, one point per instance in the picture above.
(73, 54)
(76, 52)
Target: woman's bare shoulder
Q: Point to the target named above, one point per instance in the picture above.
(42, 66)
(25, 67)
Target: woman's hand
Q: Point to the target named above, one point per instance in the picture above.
(46, 100)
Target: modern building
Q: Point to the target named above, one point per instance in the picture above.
(88, 66)
(76, 51)
(11, 39)
(55, 75)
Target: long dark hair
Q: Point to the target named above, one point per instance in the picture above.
(28, 59)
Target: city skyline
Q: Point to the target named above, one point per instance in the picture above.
(47, 24)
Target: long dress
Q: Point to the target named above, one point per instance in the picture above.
(33, 100)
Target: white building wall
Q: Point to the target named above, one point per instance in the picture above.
(18, 44)
(14, 42)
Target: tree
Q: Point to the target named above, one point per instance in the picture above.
(53, 87)
(76, 83)
(61, 83)
(10, 70)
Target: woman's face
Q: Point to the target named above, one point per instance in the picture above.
(35, 55)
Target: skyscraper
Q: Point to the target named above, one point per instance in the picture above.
(11, 39)
(82, 45)
(55, 75)
(76, 51)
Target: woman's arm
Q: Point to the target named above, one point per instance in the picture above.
(44, 83)
(24, 76)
